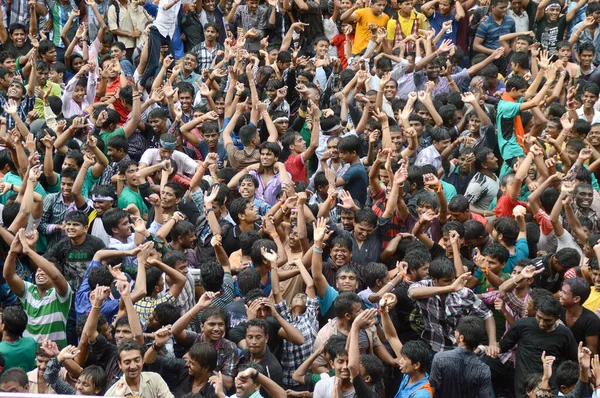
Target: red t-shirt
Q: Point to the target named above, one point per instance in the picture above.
(296, 167)
(505, 206)
(339, 41)
(113, 89)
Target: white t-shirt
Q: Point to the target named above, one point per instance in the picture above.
(324, 389)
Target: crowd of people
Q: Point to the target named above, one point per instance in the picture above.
(278, 198)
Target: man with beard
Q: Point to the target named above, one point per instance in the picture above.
(213, 331)
(134, 381)
(270, 174)
(584, 196)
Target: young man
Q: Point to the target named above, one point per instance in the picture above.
(295, 151)
(551, 26)
(533, 336)
(445, 293)
(16, 350)
(134, 381)
(206, 51)
(128, 176)
(338, 362)
(365, 18)
(512, 234)
(258, 352)
(443, 14)
(213, 331)
(14, 380)
(50, 297)
(355, 180)
(459, 372)
(516, 99)
(408, 22)
(584, 324)
(487, 38)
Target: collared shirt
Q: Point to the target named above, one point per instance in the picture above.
(152, 385)
(145, 307)
(442, 85)
(166, 20)
(521, 21)
(268, 192)
(247, 21)
(459, 373)
(206, 55)
(227, 352)
(294, 355)
(185, 164)
(490, 31)
(441, 318)
(429, 155)
(70, 107)
(109, 308)
(33, 383)
(53, 213)
(581, 115)
(25, 106)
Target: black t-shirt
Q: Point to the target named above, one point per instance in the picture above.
(531, 342)
(238, 334)
(588, 324)
(549, 34)
(10, 47)
(72, 261)
(271, 366)
(361, 388)
(407, 317)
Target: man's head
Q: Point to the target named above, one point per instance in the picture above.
(269, 153)
(18, 34)
(117, 148)
(470, 332)
(186, 95)
(47, 51)
(552, 11)
(548, 312)
(415, 358)
(171, 195)
(440, 138)
(347, 306)
(201, 359)
(565, 259)
(567, 375)
(256, 252)
(76, 224)
(506, 231)
(157, 118)
(249, 136)
(587, 52)
(91, 381)
(338, 356)
(418, 264)
(183, 234)
(117, 224)
(243, 210)
(213, 324)
(210, 133)
(167, 145)
(459, 209)
(499, 8)
(378, 6)
(442, 272)
(257, 336)
(130, 357)
(247, 386)
(164, 314)
(496, 257)
(14, 380)
(341, 251)
(212, 275)
(348, 148)
(14, 322)
(375, 275)
(516, 87)
(346, 279)
(118, 51)
(365, 223)
(574, 292)
(584, 195)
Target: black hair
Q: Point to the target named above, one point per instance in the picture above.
(579, 288)
(417, 258)
(167, 313)
(350, 143)
(549, 198)
(418, 352)
(270, 146)
(181, 228)
(16, 375)
(255, 253)
(568, 258)
(538, 295)
(344, 303)
(260, 323)
(100, 276)
(129, 345)
(111, 219)
(521, 58)
(212, 312)
(550, 306)
(249, 177)
(367, 216)
(248, 280)
(45, 46)
(497, 251)
(77, 216)
(481, 157)
(237, 207)
(15, 321)
(509, 228)
(153, 276)
(459, 203)
(567, 374)
(205, 354)
(532, 381)
(247, 239)
(472, 329)
(212, 275)
(441, 267)
(336, 346)
(439, 134)
(588, 46)
(175, 186)
(373, 366)
(172, 257)
(247, 134)
(374, 272)
(516, 82)
(591, 88)
(97, 375)
(185, 87)
(454, 226)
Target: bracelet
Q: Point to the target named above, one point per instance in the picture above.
(274, 235)
(284, 209)
(96, 307)
(155, 347)
(317, 250)
(12, 187)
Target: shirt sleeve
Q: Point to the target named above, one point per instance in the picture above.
(391, 29)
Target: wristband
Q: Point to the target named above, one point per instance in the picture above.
(96, 307)
(438, 188)
(284, 209)
(317, 250)
(274, 235)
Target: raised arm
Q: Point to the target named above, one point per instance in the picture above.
(58, 280)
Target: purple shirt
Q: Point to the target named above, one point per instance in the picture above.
(269, 192)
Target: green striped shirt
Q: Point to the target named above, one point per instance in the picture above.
(47, 315)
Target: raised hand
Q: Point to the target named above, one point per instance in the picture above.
(460, 282)
(319, 229)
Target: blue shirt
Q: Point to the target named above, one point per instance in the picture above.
(521, 251)
(420, 389)
(436, 21)
(490, 31)
(109, 309)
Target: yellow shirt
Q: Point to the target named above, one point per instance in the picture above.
(406, 24)
(364, 17)
(593, 302)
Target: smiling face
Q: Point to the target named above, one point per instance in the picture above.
(168, 198)
(346, 282)
(594, 136)
(10, 64)
(75, 229)
(584, 197)
(122, 333)
(214, 328)
(85, 386)
(247, 189)
(18, 37)
(131, 363)
(42, 280)
(66, 187)
(321, 48)
(340, 365)
(340, 255)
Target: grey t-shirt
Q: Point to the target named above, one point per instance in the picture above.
(481, 191)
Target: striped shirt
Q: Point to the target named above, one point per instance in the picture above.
(47, 316)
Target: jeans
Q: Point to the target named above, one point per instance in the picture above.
(155, 41)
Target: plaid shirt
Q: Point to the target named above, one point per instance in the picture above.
(25, 106)
(145, 307)
(515, 306)
(205, 55)
(227, 353)
(441, 318)
(294, 355)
